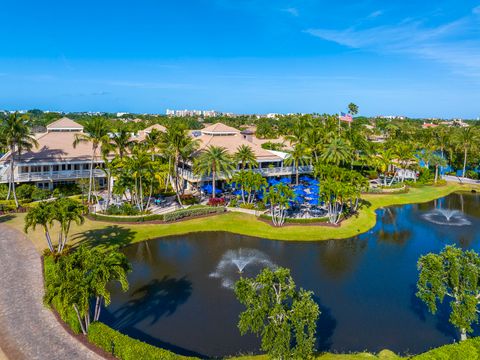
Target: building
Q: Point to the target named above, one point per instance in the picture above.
(270, 163)
(55, 161)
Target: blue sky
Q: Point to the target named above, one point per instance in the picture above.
(418, 58)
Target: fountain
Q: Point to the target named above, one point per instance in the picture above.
(237, 262)
(447, 217)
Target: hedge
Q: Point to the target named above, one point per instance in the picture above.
(173, 216)
(124, 347)
(297, 221)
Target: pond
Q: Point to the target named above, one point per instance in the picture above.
(181, 298)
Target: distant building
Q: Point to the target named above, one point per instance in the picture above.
(184, 113)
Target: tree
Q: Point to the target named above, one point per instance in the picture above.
(353, 109)
(436, 161)
(121, 141)
(284, 316)
(250, 182)
(245, 156)
(95, 132)
(16, 137)
(212, 161)
(42, 214)
(455, 274)
(297, 157)
(66, 211)
(80, 279)
(466, 139)
(278, 198)
(337, 151)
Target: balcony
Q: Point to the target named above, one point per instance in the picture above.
(52, 176)
(267, 172)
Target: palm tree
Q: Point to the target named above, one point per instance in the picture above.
(17, 137)
(213, 160)
(245, 156)
(121, 141)
(176, 141)
(67, 211)
(96, 132)
(42, 214)
(297, 157)
(336, 152)
(466, 139)
(436, 161)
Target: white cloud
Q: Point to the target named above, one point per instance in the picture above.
(375, 14)
(292, 11)
(456, 43)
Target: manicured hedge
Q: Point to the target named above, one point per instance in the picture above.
(126, 348)
(181, 214)
(173, 216)
(297, 221)
(468, 349)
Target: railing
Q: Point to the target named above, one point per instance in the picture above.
(51, 176)
(276, 171)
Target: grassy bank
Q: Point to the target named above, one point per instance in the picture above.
(98, 232)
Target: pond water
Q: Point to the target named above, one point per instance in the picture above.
(180, 293)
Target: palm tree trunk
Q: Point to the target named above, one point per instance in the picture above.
(436, 173)
(464, 162)
(213, 182)
(12, 178)
(49, 240)
(90, 180)
(175, 170)
(84, 331)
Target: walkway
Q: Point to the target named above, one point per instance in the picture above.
(28, 330)
(460, 180)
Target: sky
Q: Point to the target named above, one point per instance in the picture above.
(396, 57)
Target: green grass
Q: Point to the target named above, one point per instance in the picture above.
(103, 233)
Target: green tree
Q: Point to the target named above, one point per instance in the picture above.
(353, 109)
(284, 316)
(17, 137)
(250, 182)
(436, 161)
(297, 157)
(95, 132)
(81, 279)
(43, 215)
(278, 198)
(337, 151)
(455, 274)
(245, 156)
(212, 161)
(466, 139)
(66, 211)
(121, 141)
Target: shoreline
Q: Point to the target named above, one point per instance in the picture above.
(107, 233)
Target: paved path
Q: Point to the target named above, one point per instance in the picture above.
(460, 180)
(28, 330)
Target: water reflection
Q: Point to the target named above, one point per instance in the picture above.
(365, 286)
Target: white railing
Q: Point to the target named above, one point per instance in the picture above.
(52, 176)
(276, 171)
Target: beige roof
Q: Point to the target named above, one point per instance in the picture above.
(142, 134)
(64, 124)
(219, 128)
(233, 142)
(56, 146)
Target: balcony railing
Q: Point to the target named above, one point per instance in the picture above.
(276, 171)
(52, 176)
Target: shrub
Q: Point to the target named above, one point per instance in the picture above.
(233, 202)
(66, 190)
(472, 174)
(189, 199)
(261, 206)
(123, 218)
(216, 202)
(41, 194)
(181, 214)
(124, 209)
(426, 176)
(298, 221)
(247, 206)
(25, 191)
(3, 191)
(124, 347)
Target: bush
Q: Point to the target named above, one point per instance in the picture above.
(124, 209)
(471, 174)
(124, 347)
(233, 202)
(66, 190)
(425, 177)
(25, 191)
(247, 206)
(261, 206)
(3, 191)
(298, 221)
(120, 218)
(216, 202)
(181, 214)
(41, 194)
(189, 199)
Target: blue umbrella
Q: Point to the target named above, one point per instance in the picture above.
(237, 192)
(314, 182)
(313, 201)
(305, 178)
(285, 180)
(273, 181)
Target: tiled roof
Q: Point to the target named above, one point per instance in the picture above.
(220, 129)
(63, 124)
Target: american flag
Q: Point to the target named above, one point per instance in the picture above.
(345, 117)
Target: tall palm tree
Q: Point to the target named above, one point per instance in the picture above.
(176, 141)
(121, 141)
(17, 137)
(466, 139)
(297, 157)
(95, 132)
(67, 211)
(42, 214)
(213, 160)
(245, 156)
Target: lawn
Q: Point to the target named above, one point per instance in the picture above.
(97, 232)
